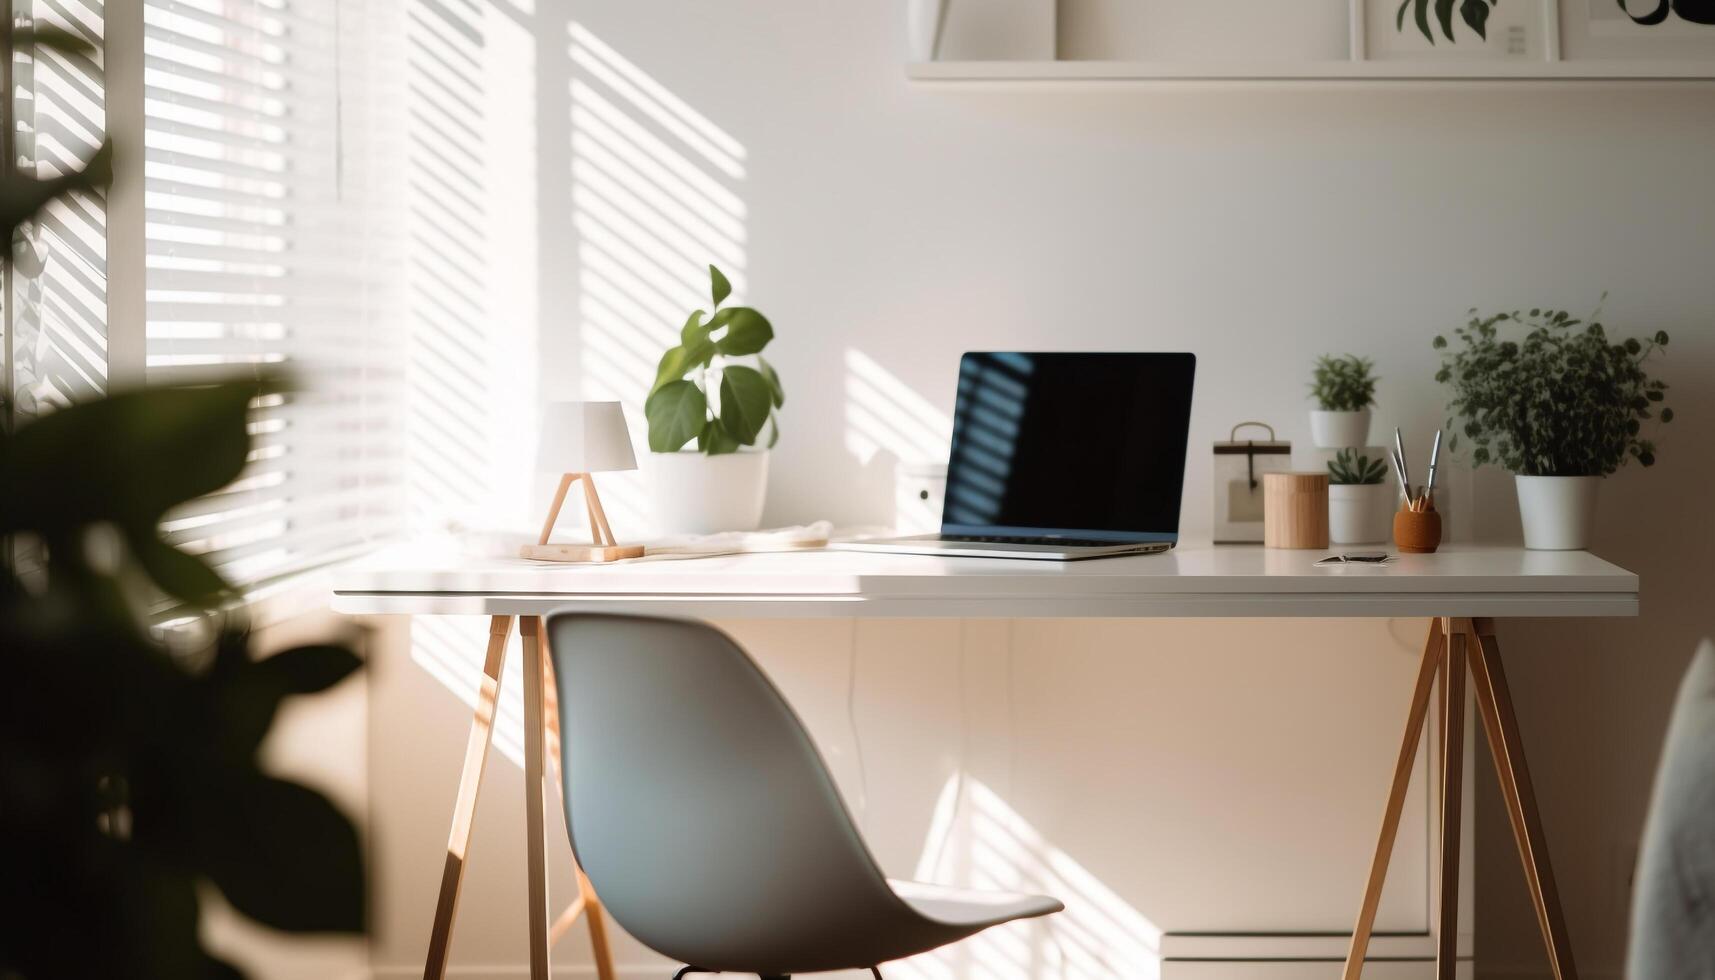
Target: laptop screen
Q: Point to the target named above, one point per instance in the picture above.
(1075, 445)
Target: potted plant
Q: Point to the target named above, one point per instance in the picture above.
(1344, 389)
(706, 413)
(1360, 503)
(1560, 406)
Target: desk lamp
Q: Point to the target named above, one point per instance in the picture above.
(580, 439)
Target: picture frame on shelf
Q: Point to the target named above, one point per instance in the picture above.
(1470, 31)
(1658, 20)
(1641, 30)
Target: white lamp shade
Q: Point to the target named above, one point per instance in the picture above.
(584, 437)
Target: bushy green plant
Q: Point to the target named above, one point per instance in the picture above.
(1343, 384)
(1350, 467)
(1560, 400)
(129, 768)
(679, 409)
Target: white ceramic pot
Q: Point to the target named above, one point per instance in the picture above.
(1339, 430)
(1558, 511)
(694, 493)
(1360, 513)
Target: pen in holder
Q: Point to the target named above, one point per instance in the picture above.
(1417, 527)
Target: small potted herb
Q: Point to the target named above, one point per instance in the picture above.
(1344, 389)
(1552, 399)
(712, 420)
(1360, 503)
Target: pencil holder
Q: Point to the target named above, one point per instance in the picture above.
(1417, 532)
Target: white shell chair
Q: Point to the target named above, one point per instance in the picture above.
(707, 821)
(1673, 900)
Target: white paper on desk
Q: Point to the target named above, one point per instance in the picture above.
(504, 543)
(803, 537)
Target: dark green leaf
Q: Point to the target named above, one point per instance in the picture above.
(1438, 343)
(767, 370)
(1661, 338)
(1422, 15)
(1444, 15)
(307, 669)
(694, 331)
(164, 446)
(1476, 14)
(1667, 415)
(717, 441)
(747, 332)
(677, 412)
(1399, 26)
(673, 366)
(745, 402)
(57, 38)
(282, 854)
(178, 574)
(719, 288)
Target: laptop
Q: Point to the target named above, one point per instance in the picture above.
(1062, 456)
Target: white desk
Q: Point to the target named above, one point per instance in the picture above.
(1463, 581)
(1463, 588)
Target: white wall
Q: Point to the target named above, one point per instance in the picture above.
(886, 226)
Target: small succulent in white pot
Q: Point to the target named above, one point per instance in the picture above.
(1549, 397)
(713, 398)
(1360, 503)
(1343, 388)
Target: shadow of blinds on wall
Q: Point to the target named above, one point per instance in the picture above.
(55, 328)
(266, 253)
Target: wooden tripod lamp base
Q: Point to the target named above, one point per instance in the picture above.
(604, 548)
(577, 440)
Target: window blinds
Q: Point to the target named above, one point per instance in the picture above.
(267, 251)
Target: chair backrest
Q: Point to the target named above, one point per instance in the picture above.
(1673, 928)
(697, 804)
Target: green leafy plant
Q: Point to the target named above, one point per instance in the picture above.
(129, 774)
(1560, 400)
(1349, 467)
(1475, 13)
(679, 409)
(1343, 384)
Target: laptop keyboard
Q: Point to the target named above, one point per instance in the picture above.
(1014, 539)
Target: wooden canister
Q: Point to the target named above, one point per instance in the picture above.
(1295, 510)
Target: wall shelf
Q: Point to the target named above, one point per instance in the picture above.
(1310, 71)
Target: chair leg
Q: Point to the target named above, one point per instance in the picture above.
(875, 971)
(687, 971)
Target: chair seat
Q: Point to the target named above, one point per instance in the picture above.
(966, 908)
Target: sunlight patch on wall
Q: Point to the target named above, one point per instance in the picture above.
(469, 97)
(451, 649)
(977, 840)
(653, 204)
(884, 416)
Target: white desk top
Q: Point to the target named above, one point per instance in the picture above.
(1195, 580)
